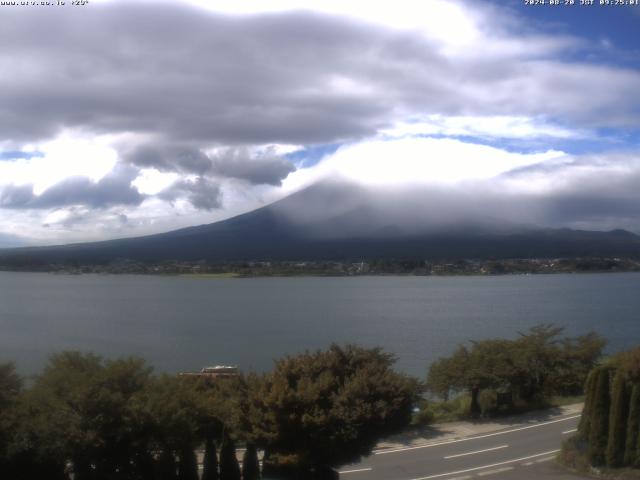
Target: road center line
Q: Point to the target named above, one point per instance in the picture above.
(493, 472)
(570, 431)
(355, 471)
(466, 439)
(477, 451)
(466, 470)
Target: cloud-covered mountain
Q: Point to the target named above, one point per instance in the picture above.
(342, 220)
(199, 110)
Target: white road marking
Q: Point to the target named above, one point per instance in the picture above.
(570, 431)
(493, 472)
(546, 459)
(467, 470)
(466, 477)
(356, 470)
(466, 439)
(477, 451)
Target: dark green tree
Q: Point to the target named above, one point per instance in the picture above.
(10, 385)
(188, 465)
(632, 445)
(599, 429)
(578, 356)
(590, 393)
(536, 364)
(229, 466)
(328, 408)
(250, 463)
(618, 416)
(51, 422)
(210, 462)
(167, 468)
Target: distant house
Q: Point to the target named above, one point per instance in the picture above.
(214, 372)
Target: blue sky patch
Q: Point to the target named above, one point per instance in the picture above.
(17, 155)
(312, 154)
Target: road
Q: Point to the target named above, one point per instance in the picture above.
(518, 453)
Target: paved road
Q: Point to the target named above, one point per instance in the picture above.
(521, 453)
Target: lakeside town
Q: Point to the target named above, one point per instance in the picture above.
(416, 267)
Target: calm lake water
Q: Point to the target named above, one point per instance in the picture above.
(181, 323)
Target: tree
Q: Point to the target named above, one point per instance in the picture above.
(10, 388)
(611, 417)
(229, 467)
(328, 408)
(618, 417)
(632, 446)
(51, 419)
(10, 385)
(599, 422)
(448, 375)
(210, 462)
(579, 356)
(188, 466)
(173, 408)
(88, 411)
(537, 356)
(536, 364)
(167, 465)
(250, 464)
(590, 392)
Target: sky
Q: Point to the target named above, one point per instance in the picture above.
(129, 117)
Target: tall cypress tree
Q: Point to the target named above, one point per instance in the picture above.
(167, 465)
(229, 467)
(188, 466)
(599, 418)
(250, 463)
(210, 470)
(619, 413)
(589, 391)
(633, 428)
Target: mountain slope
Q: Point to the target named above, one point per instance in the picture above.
(334, 220)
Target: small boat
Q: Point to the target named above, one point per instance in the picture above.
(214, 372)
(223, 370)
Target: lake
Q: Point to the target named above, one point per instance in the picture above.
(180, 323)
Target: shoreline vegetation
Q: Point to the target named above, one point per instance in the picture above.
(607, 443)
(313, 412)
(339, 268)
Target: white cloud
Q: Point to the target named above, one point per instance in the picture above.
(70, 154)
(458, 29)
(501, 126)
(417, 160)
(152, 181)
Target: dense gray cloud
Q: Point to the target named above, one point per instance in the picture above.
(202, 193)
(590, 191)
(16, 196)
(169, 158)
(233, 162)
(113, 189)
(213, 78)
(293, 77)
(582, 192)
(267, 169)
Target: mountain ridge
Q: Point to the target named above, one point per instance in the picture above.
(334, 221)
